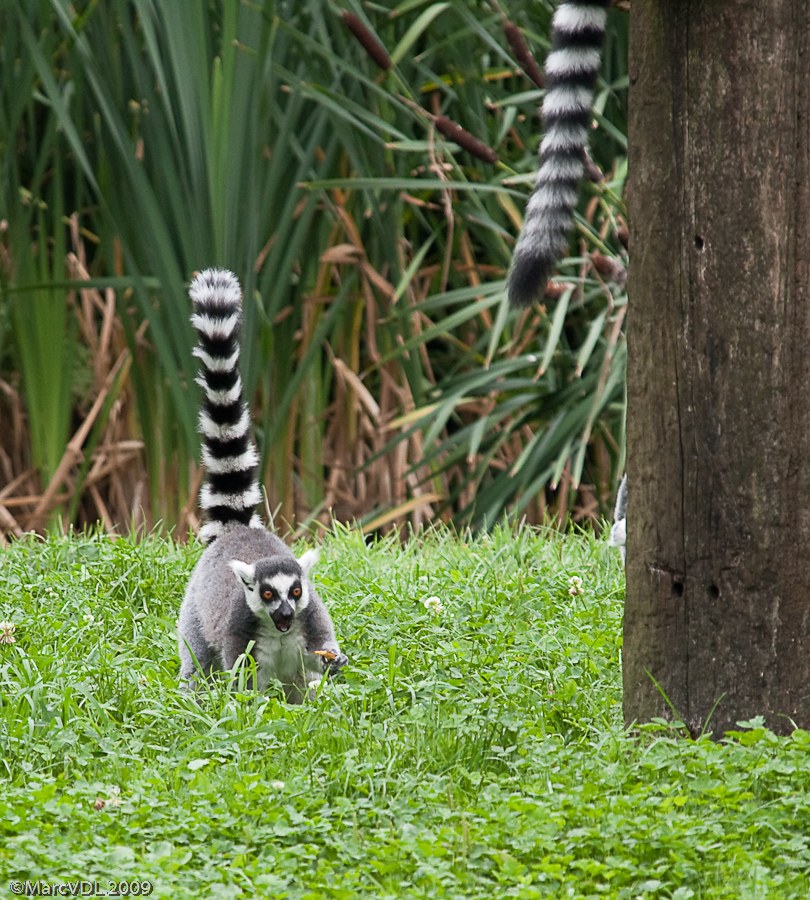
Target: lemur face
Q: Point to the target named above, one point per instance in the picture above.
(282, 596)
(275, 587)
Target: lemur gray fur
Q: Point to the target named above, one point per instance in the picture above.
(248, 594)
(618, 531)
(572, 66)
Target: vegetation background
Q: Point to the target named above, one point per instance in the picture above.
(140, 141)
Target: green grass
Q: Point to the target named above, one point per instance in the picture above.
(474, 752)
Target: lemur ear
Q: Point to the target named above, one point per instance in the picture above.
(244, 572)
(308, 560)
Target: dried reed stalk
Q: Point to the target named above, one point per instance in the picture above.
(73, 452)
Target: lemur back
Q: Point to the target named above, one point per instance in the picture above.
(248, 593)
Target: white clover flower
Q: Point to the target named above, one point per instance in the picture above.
(277, 785)
(575, 583)
(314, 684)
(89, 618)
(7, 630)
(434, 605)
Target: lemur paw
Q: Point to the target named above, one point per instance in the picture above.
(335, 665)
(331, 662)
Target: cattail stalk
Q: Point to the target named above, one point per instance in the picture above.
(367, 39)
(469, 142)
(609, 268)
(527, 62)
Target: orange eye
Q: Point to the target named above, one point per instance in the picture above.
(296, 592)
(267, 595)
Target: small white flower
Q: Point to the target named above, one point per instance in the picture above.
(114, 796)
(314, 684)
(89, 618)
(575, 583)
(277, 785)
(433, 605)
(7, 630)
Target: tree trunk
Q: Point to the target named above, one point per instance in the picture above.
(717, 621)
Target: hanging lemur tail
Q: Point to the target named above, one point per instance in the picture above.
(230, 490)
(578, 29)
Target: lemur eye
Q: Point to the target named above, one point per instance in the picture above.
(267, 595)
(296, 592)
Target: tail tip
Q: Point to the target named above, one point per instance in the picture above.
(527, 281)
(215, 287)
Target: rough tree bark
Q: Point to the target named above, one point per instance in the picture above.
(718, 559)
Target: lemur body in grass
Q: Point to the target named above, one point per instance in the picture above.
(248, 594)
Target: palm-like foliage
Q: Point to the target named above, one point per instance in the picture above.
(388, 378)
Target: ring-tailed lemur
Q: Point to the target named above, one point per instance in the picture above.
(572, 66)
(248, 593)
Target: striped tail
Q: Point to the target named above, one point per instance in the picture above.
(578, 29)
(230, 490)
